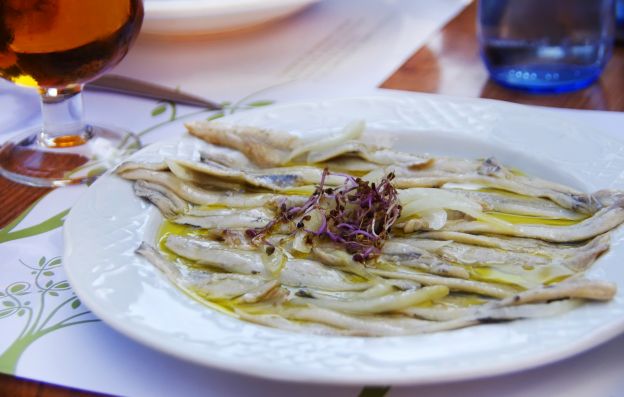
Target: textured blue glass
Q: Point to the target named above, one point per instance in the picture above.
(546, 45)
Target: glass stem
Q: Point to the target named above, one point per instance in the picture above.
(63, 117)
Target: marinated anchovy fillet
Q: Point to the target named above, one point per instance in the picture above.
(601, 222)
(379, 156)
(392, 302)
(410, 255)
(340, 236)
(492, 175)
(520, 205)
(227, 218)
(510, 252)
(293, 272)
(272, 148)
(275, 179)
(200, 195)
(263, 147)
(169, 204)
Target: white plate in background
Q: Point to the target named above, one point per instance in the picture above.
(108, 223)
(193, 17)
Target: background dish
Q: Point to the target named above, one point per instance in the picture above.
(192, 17)
(108, 222)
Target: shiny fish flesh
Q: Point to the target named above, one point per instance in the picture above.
(476, 242)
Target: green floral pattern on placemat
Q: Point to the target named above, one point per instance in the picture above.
(40, 303)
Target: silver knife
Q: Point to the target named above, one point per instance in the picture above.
(129, 86)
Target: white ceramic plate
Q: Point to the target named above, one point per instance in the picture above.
(191, 17)
(108, 223)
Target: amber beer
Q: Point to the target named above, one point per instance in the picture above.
(57, 43)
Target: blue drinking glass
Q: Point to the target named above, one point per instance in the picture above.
(546, 45)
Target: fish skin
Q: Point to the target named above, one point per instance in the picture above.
(601, 222)
(490, 167)
(205, 180)
(209, 252)
(331, 256)
(236, 219)
(480, 313)
(169, 204)
(454, 284)
(296, 273)
(355, 325)
(215, 285)
(133, 165)
(200, 196)
(229, 158)
(405, 254)
(374, 291)
(278, 179)
(279, 322)
(370, 153)
(221, 286)
(447, 170)
(608, 198)
(503, 252)
(266, 148)
(155, 258)
(391, 302)
(572, 288)
(266, 290)
(527, 206)
(576, 202)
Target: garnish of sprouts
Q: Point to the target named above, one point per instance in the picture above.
(357, 216)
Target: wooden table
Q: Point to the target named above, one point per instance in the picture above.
(448, 64)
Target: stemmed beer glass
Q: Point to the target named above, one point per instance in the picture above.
(57, 46)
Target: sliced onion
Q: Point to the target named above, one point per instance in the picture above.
(418, 201)
(351, 131)
(436, 219)
(275, 262)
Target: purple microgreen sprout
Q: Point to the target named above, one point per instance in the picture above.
(357, 215)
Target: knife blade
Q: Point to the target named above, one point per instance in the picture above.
(134, 87)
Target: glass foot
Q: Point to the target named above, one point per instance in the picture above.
(31, 159)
